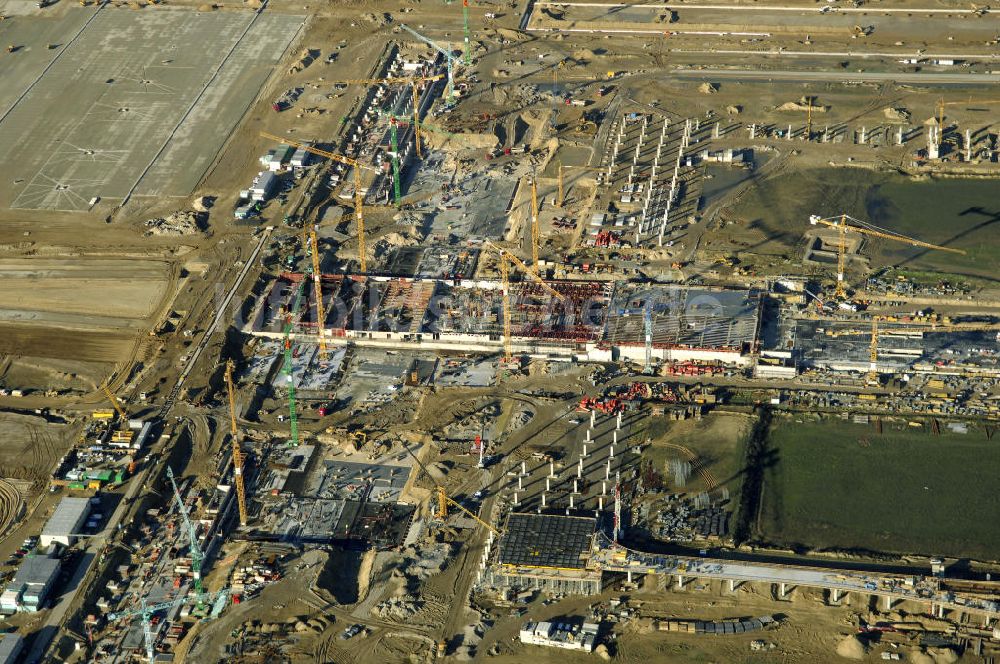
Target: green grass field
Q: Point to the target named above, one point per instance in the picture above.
(833, 484)
(958, 213)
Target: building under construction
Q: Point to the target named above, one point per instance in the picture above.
(594, 320)
(544, 552)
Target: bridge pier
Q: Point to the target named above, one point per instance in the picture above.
(887, 602)
(628, 575)
(941, 611)
(784, 589)
(835, 594)
(733, 585)
(680, 582)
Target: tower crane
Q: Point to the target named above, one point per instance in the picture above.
(237, 452)
(840, 224)
(941, 103)
(448, 57)
(145, 612)
(414, 82)
(443, 499)
(507, 259)
(196, 554)
(318, 292)
(535, 231)
(293, 418)
(358, 196)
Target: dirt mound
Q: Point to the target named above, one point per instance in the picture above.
(183, 222)
(708, 88)
(850, 647)
(897, 114)
(921, 658)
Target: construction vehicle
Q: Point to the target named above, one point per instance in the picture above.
(122, 433)
(506, 258)
(356, 166)
(414, 82)
(237, 452)
(840, 224)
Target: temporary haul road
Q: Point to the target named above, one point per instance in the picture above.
(788, 75)
(45, 635)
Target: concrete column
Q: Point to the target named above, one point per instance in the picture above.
(588, 436)
(753, 131)
(607, 470)
(543, 499)
(715, 131)
(628, 575)
(520, 485)
(571, 501)
(899, 137)
(680, 582)
(600, 503)
(604, 488)
(733, 585)
(576, 488)
(611, 453)
(552, 468)
(579, 469)
(618, 421)
(524, 468)
(593, 418)
(783, 590)
(834, 595)
(548, 486)
(614, 437)
(516, 501)
(584, 454)
(887, 602)
(863, 138)
(789, 134)
(941, 611)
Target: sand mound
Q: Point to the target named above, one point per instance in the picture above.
(943, 655)
(708, 88)
(921, 658)
(851, 648)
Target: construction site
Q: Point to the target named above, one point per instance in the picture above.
(484, 331)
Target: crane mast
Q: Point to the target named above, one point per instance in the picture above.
(356, 166)
(318, 292)
(840, 225)
(440, 49)
(237, 452)
(196, 553)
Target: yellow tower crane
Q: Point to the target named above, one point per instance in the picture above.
(358, 196)
(840, 224)
(414, 82)
(443, 499)
(318, 293)
(941, 103)
(237, 452)
(535, 231)
(506, 259)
